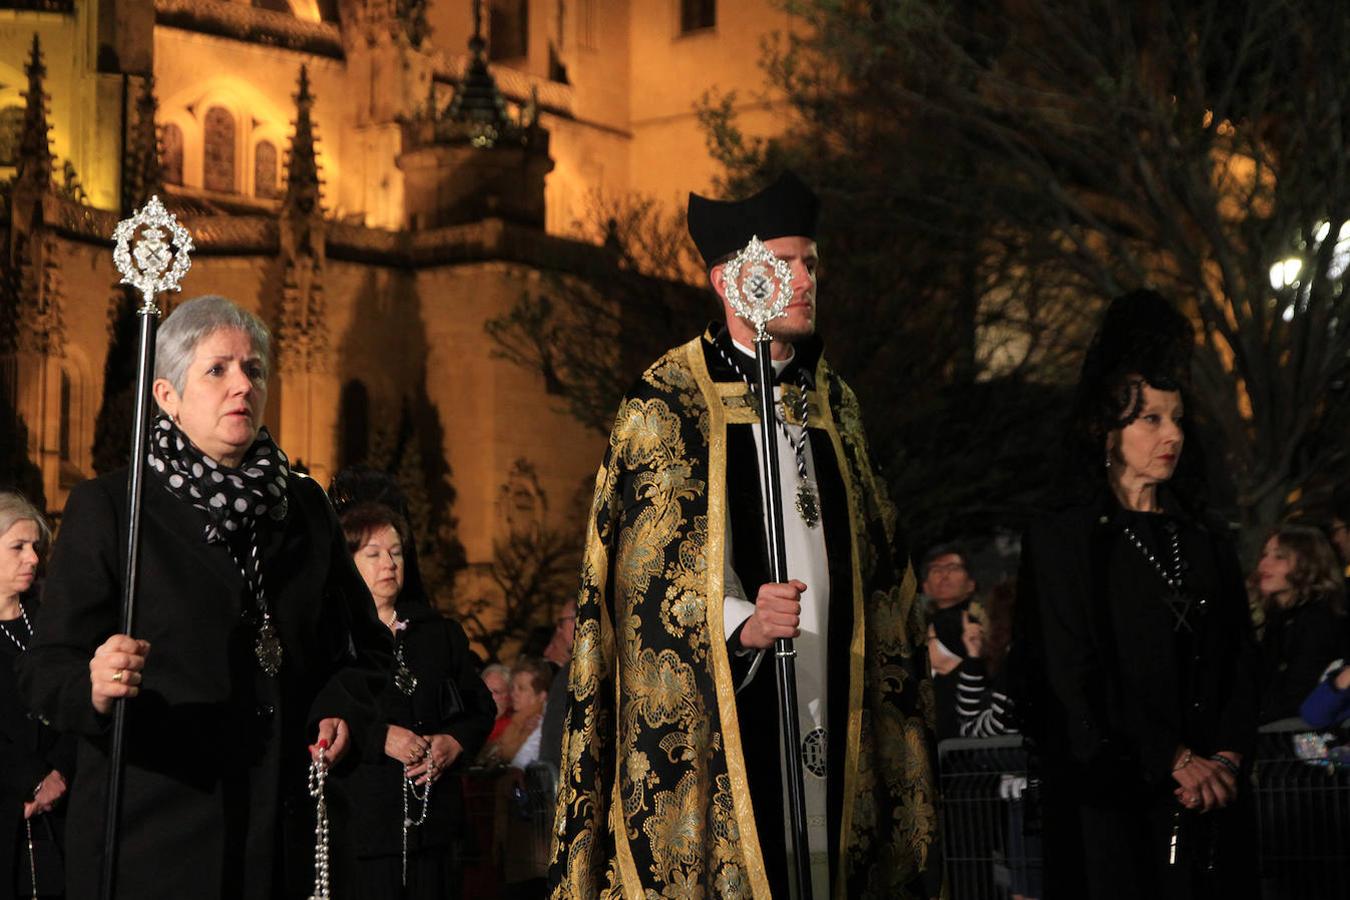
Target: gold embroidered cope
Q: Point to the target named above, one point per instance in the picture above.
(653, 799)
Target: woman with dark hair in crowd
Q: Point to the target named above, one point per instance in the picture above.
(437, 713)
(35, 763)
(984, 707)
(255, 640)
(1298, 589)
(1136, 648)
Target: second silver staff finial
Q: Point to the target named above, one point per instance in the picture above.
(153, 252)
(758, 285)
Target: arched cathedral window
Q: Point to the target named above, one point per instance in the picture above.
(696, 15)
(63, 433)
(218, 153)
(508, 29)
(354, 423)
(171, 153)
(11, 125)
(265, 173)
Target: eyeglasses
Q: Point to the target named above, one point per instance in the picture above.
(943, 568)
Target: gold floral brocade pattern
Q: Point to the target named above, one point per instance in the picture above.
(646, 804)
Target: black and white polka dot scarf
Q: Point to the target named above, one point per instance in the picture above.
(236, 501)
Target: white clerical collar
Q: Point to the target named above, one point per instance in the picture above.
(778, 364)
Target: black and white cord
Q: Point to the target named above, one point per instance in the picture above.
(22, 645)
(798, 444)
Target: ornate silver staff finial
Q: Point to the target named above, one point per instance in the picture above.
(758, 286)
(156, 259)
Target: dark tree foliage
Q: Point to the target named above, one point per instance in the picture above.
(533, 572)
(112, 425)
(995, 170)
(408, 448)
(591, 334)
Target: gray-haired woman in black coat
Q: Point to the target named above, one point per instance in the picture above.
(255, 639)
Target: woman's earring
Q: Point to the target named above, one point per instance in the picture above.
(1108, 458)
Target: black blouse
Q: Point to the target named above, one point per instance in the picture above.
(1119, 670)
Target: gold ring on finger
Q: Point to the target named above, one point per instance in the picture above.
(117, 677)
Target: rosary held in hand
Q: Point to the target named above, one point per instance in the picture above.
(318, 771)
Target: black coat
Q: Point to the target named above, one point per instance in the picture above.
(450, 699)
(28, 751)
(1296, 648)
(214, 796)
(1108, 689)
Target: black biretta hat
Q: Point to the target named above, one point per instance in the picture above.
(722, 227)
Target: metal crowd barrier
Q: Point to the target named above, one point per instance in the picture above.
(1303, 817)
(1302, 807)
(985, 846)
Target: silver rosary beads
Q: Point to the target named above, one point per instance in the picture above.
(318, 771)
(409, 823)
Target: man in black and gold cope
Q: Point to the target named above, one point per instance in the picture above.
(671, 777)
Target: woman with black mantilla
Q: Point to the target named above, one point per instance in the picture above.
(254, 637)
(1137, 656)
(437, 711)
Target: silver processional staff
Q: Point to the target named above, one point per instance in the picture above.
(153, 253)
(759, 289)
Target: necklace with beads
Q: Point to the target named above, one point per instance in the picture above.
(1178, 600)
(23, 615)
(404, 679)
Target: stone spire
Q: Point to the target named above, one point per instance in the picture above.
(302, 329)
(142, 175)
(303, 194)
(35, 153)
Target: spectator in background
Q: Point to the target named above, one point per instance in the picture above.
(559, 651)
(1299, 588)
(1329, 703)
(954, 628)
(984, 705)
(518, 744)
(985, 709)
(1338, 527)
(497, 677)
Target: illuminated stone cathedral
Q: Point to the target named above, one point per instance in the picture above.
(377, 178)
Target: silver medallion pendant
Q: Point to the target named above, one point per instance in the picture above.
(808, 505)
(268, 648)
(404, 679)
